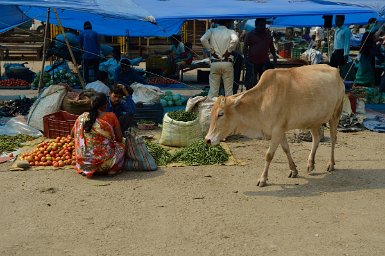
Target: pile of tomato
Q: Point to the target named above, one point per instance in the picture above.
(14, 82)
(161, 80)
(56, 152)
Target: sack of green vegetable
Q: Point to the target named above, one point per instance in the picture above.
(180, 129)
(202, 106)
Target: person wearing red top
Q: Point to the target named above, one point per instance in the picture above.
(258, 44)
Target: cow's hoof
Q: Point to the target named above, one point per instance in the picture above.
(330, 168)
(293, 174)
(261, 183)
(310, 168)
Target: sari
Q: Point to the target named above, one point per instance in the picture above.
(97, 150)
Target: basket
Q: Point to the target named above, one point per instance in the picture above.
(58, 124)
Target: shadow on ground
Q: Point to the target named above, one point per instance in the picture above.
(341, 180)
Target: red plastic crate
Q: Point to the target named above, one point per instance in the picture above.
(58, 124)
(285, 54)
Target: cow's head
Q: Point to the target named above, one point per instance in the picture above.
(224, 119)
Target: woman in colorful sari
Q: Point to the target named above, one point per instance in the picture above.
(98, 140)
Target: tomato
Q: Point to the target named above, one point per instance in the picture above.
(37, 163)
(55, 164)
(40, 155)
(68, 157)
(73, 162)
(61, 163)
(36, 158)
(49, 163)
(49, 158)
(31, 163)
(29, 159)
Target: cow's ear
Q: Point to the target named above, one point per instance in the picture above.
(222, 100)
(237, 100)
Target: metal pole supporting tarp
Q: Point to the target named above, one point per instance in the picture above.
(44, 50)
(69, 48)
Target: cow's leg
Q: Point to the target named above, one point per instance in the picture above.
(286, 149)
(315, 133)
(333, 137)
(333, 122)
(274, 142)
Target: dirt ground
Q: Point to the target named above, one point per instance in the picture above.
(210, 210)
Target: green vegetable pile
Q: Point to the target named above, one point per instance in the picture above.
(169, 99)
(11, 143)
(160, 155)
(197, 153)
(61, 76)
(182, 115)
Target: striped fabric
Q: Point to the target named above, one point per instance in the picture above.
(138, 158)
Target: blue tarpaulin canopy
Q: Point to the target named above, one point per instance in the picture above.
(232, 9)
(171, 14)
(376, 5)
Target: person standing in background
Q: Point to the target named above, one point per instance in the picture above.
(238, 61)
(89, 43)
(220, 41)
(258, 44)
(319, 37)
(342, 36)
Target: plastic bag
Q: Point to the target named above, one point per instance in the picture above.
(202, 106)
(146, 93)
(15, 126)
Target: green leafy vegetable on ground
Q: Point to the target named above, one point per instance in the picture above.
(11, 143)
(197, 153)
(160, 155)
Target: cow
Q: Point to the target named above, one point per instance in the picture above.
(284, 99)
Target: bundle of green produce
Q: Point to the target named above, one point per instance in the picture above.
(183, 116)
(161, 155)
(11, 143)
(169, 99)
(59, 77)
(46, 80)
(199, 153)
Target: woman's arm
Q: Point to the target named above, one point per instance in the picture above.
(118, 133)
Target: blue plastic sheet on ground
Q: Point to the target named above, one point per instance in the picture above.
(375, 117)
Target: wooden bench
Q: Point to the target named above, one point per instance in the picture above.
(186, 68)
(25, 51)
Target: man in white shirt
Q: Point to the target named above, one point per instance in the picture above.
(319, 37)
(99, 85)
(342, 36)
(220, 42)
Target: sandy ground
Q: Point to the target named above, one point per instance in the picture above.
(210, 210)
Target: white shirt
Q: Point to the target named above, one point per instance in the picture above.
(98, 86)
(319, 34)
(220, 40)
